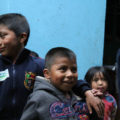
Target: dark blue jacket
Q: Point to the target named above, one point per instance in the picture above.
(118, 74)
(16, 83)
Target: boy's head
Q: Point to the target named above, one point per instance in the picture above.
(61, 68)
(16, 23)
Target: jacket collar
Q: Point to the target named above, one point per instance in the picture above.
(22, 56)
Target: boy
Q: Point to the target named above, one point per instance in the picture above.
(18, 68)
(52, 98)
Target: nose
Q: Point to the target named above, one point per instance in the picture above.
(69, 73)
(100, 82)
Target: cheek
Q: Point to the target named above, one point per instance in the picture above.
(93, 85)
(106, 85)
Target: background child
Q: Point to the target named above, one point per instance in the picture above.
(52, 98)
(99, 80)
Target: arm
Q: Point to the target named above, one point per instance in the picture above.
(114, 109)
(82, 89)
(29, 112)
(37, 107)
(94, 102)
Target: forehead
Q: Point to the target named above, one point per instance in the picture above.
(99, 74)
(61, 60)
(4, 28)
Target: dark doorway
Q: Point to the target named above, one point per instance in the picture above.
(112, 39)
(112, 32)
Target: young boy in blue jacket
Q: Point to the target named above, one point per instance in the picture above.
(18, 69)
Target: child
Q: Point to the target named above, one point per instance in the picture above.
(17, 67)
(99, 80)
(52, 98)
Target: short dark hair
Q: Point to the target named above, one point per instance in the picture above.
(93, 70)
(53, 53)
(17, 23)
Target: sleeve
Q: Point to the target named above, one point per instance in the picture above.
(40, 65)
(118, 74)
(114, 108)
(80, 88)
(29, 112)
(36, 107)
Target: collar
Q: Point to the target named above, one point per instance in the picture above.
(22, 56)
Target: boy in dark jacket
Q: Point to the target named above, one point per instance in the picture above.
(17, 67)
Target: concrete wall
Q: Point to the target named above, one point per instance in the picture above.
(76, 24)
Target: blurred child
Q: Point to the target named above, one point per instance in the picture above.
(52, 97)
(99, 80)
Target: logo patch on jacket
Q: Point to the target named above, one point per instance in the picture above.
(29, 80)
(59, 110)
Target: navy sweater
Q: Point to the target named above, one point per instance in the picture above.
(16, 83)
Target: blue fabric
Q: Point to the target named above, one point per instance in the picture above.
(80, 88)
(118, 74)
(13, 90)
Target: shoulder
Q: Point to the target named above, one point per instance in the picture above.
(109, 98)
(37, 60)
(41, 98)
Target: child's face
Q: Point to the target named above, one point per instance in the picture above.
(98, 82)
(63, 73)
(9, 43)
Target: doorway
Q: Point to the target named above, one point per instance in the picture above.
(112, 32)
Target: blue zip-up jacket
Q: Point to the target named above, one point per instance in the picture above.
(16, 83)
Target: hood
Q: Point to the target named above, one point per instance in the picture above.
(42, 83)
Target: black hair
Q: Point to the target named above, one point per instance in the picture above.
(17, 23)
(33, 53)
(93, 70)
(53, 53)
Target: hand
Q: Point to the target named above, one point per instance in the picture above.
(97, 93)
(94, 102)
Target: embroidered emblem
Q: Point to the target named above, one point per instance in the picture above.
(29, 80)
(61, 110)
(83, 117)
(4, 75)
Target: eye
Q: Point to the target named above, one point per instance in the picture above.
(103, 79)
(95, 79)
(74, 69)
(63, 68)
(2, 35)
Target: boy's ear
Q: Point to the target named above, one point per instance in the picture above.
(46, 73)
(23, 37)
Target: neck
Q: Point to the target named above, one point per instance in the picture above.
(15, 56)
(67, 95)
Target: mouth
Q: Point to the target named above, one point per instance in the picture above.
(1, 50)
(69, 81)
(100, 89)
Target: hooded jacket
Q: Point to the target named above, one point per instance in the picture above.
(16, 83)
(49, 103)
